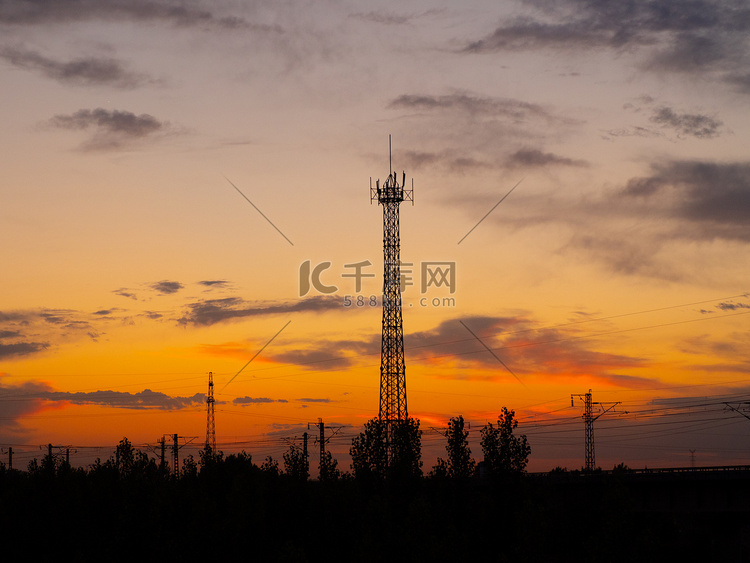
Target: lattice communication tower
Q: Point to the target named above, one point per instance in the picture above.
(392, 366)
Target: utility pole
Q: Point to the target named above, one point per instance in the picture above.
(210, 420)
(175, 449)
(10, 458)
(588, 419)
(392, 365)
(163, 444)
(322, 441)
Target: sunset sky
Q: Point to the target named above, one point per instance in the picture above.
(131, 266)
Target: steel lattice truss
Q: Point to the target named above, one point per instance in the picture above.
(210, 420)
(392, 364)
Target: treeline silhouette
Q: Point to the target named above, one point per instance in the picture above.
(131, 507)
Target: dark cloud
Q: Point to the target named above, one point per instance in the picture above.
(20, 349)
(172, 12)
(26, 332)
(696, 36)
(523, 347)
(84, 71)
(17, 401)
(516, 110)
(332, 356)
(145, 399)
(30, 397)
(531, 158)
(713, 197)
(112, 128)
(166, 287)
(214, 283)
(124, 292)
(309, 400)
(732, 306)
(113, 121)
(212, 311)
(526, 33)
(243, 401)
(688, 124)
(9, 333)
(476, 130)
(691, 52)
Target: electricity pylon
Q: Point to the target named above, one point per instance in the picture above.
(588, 419)
(210, 420)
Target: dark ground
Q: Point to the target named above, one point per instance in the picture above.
(255, 515)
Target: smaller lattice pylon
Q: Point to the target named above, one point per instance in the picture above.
(210, 418)
(588, 419)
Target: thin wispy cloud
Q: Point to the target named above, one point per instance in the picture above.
(15, 350)
(473, 104)
(82, 71)
(387, 17)
(534, 158)
(712, 196)
(246, 401)
(212, 311)
(170, 12)
(688, 124)
(111, 129)
(125, 292)
(214, 283)
(699, 37)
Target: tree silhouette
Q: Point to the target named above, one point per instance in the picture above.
(189, 468)
(407, 449)
(369, 450)
(328, 468)
(209, 460)
(296, 463)
(124, 457)
(270, 466)
(459, 464)
(504, 453)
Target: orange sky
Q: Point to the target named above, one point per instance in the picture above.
(132, 267)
